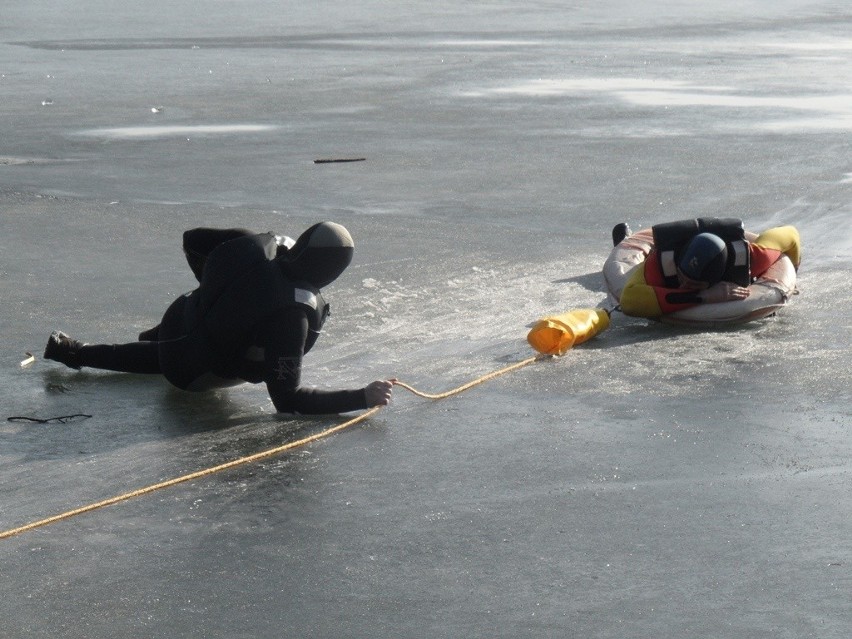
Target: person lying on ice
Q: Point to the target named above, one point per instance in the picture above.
(257, 311)
(702, 261)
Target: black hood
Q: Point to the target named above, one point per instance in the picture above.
(320, 254)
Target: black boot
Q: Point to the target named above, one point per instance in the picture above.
(619, 232)
(61, 348)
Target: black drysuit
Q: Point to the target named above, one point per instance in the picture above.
(246, 322)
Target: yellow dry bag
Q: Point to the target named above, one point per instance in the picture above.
(555, 335)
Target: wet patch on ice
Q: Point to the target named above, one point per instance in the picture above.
(347, 41)
(557, 87)
(832, 111)
(152, 132)
(31, 161)
(14, 161)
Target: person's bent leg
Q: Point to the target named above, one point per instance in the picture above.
(136, 357)
(785, 239)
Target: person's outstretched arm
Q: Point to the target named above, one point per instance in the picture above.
(284, 340)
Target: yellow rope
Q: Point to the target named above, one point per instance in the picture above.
(189, 477)
(475, 382)
(257, 456)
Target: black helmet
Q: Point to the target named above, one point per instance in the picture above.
(705, 258)
(320, 254)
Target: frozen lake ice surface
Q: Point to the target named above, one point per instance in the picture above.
(654, 483)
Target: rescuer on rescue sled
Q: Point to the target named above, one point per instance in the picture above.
(703, 261)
